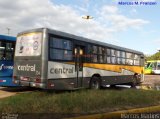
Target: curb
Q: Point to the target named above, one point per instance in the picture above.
(119, 114)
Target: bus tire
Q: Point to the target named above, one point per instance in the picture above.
(113, 86)
(134, 82)
(95, 83)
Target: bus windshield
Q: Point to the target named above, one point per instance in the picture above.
(158, 65)
(29, 44)
(147, 65)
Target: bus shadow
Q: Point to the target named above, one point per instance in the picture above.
(117, 87)
(84, 89)
(17, 89)
(31, 89)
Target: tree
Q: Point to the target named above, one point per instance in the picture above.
(155, 56)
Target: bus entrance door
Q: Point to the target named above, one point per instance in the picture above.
(79, 52)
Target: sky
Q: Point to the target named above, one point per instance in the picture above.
(132, 26)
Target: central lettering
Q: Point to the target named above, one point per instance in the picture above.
(61, 70)
(27, 68)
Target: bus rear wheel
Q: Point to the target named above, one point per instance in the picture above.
(134, 82)
(95, 83)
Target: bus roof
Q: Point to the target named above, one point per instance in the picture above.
(9, 38)
(71, 36)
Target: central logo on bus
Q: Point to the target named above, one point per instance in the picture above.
(61, 70)
(27, 67)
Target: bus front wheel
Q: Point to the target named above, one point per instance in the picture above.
(95, 83)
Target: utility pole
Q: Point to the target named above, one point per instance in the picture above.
(8, 30)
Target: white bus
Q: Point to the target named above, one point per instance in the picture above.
(51, 59)
(152, 67)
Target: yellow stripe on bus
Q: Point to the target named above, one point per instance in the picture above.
(114, 68)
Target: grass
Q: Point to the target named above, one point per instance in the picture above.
(82, 101)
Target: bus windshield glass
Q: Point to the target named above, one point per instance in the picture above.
(29, 44)
(158, 65)
(147, 65)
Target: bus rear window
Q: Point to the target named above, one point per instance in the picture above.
(29, 44)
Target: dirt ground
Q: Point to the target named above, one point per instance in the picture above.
(10, 91)
(4, 94)
(152, 79)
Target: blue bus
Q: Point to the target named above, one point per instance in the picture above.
(7, 48)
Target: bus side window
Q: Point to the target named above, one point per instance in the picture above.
(129, 59)
(1, 55)
(123, 55)
(136, 59)
(9, 56)
(100, 55)
(94, 54)
(95, 58)
(2, 50)
(95, 49)
(108, 53)
(60, 49)
(104, 55)
(113, 60)
(119, 57)
(88, 53)
(9, 52)
(113, 56)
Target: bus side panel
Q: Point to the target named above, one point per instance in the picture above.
(61, 75)
(111, 77)
(111, 80)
